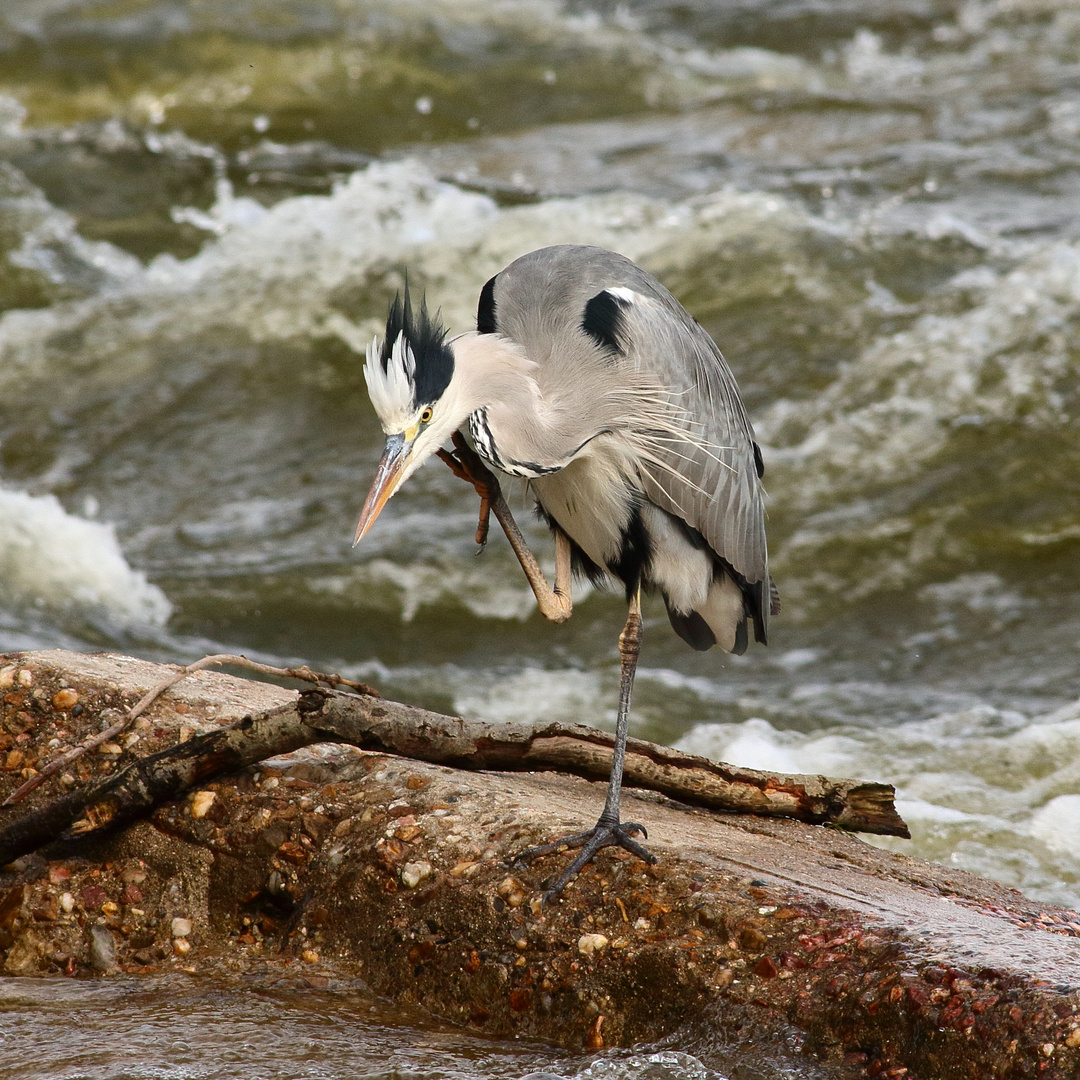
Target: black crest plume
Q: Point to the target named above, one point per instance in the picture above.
(426, 336)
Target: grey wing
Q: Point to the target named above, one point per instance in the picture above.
(710, 476)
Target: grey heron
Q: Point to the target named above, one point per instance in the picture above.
(588, 379)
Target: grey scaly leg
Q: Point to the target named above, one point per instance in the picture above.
(609, 830)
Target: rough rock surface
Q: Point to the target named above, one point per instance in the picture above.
(344, 864)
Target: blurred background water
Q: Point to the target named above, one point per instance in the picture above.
(206, 204)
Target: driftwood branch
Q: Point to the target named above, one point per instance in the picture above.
(379, 725)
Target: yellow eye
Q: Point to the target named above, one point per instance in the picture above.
(425, 416)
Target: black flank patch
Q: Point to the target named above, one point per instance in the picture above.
(635, 553)
(753, 593)
(427, 338)
(759, 461)
(485, 310)
(603, 320)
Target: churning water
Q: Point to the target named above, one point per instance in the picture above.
(205, 206)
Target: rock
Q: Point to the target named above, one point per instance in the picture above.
(890, 965)
(22, 958)
(412, 873)
(102, 948)
(25, 677)
(181, 928)
(591, 943)
(64, 700)
(201, 801)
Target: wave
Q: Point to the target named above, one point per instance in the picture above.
(68, 569)
(846, 464)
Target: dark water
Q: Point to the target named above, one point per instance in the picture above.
(204, 207)
(181, 1028)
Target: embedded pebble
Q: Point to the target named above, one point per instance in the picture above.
(591, 943)
(412, 873)
(310, 956)
(102, 948)
(181, 928)
(1072, 1040)
(67, 902)
(65, 699)
(7, 677)
(181, 946)
(25, 677)
(512, 891)
(110, 748)
(201, 801)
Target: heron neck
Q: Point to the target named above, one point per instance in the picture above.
(527, 425)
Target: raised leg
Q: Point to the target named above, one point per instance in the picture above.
(555, 603)
(609, 830)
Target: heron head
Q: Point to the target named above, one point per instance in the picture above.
(407, 380)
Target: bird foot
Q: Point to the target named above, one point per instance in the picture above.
(466, 465)
(602, 835)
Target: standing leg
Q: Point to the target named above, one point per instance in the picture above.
(609, 830)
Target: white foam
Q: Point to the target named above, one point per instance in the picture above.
(1057, 825)
(975, 786)
(537, 696)
(50, 244)
(53, 561)
(406, 589)
(277, 274)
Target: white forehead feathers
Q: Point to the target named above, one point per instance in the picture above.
(392, 389)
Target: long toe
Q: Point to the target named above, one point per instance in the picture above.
(564, 843)
(618, 834)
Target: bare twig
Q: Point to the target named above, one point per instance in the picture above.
(303, 673)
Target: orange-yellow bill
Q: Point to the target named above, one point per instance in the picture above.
(387, 478)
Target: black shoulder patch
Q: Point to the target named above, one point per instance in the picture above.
(603, 320)
(426, 336)
(485, 310)
(759, 461)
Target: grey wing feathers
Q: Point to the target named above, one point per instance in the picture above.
(705, 471)
(711, 478)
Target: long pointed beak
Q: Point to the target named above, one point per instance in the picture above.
(387, 478)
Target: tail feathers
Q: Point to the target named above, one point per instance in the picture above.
(692, 628)
(721, 620)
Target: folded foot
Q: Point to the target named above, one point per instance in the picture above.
(619, 834)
